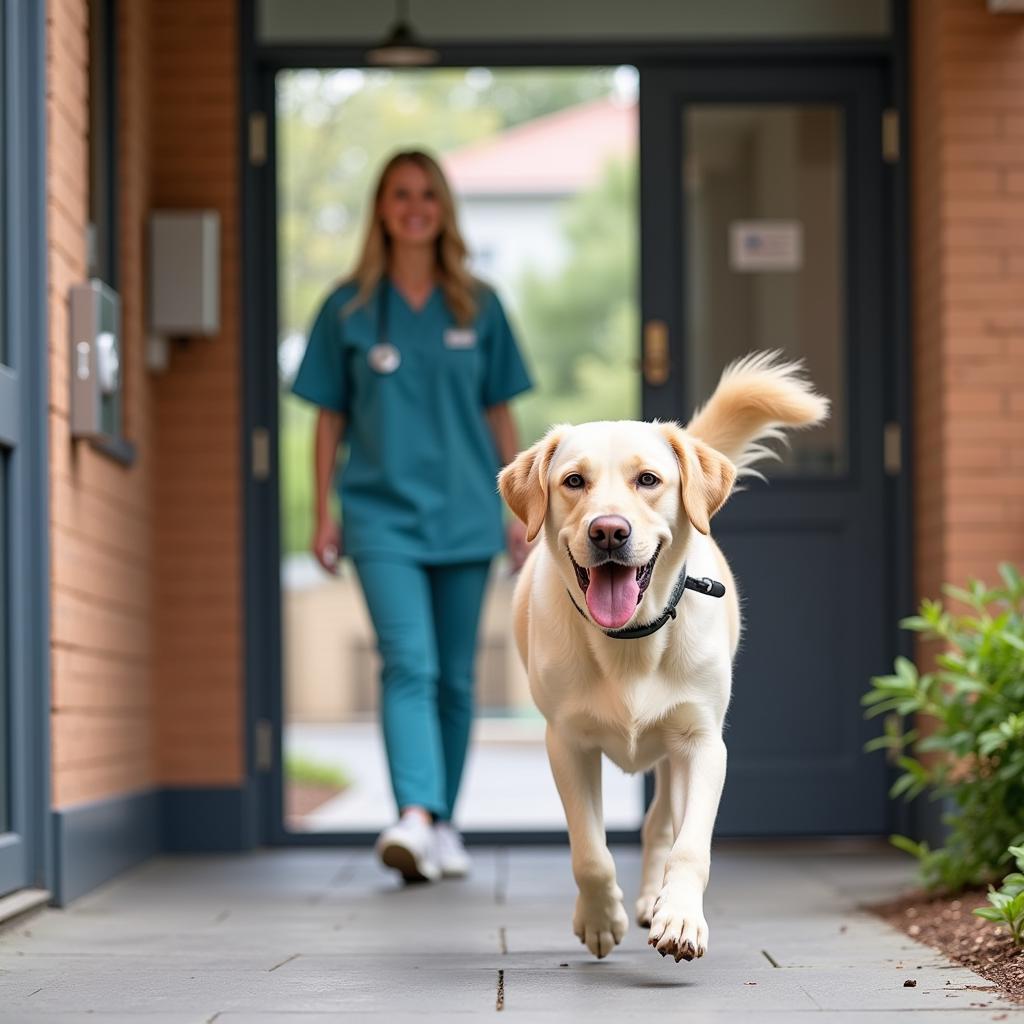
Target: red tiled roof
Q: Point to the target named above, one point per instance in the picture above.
(560, 152)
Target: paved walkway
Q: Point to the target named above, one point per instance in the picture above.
(318, 935)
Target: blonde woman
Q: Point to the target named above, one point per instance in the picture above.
(412, 363)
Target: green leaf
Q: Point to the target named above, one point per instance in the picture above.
(906, 670)
(901, 786)
(989, 913)
(1011, 577)
(883, 743)
(907, 845)
(959, 594)
(917, 623)
(912, 765)
(874, 696)
(963, 683)
(1012, 639)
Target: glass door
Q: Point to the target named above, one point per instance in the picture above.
(762, 231)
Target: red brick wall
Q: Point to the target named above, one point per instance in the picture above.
(967, 110)
(101, 511)
(146, 567)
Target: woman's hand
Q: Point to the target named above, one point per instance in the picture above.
(515, 541)
(330, 428)
(327, 544)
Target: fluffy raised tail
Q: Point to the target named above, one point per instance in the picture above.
(756, 398)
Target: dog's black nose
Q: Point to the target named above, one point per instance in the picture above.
(609, 532)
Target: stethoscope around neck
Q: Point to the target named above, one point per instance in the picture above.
(382, 356)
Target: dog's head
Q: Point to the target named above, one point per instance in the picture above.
(613, 498)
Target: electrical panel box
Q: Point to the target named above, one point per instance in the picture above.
(95, 361)
(184, 273)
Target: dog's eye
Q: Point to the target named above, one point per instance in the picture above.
(647, 480)
(574, 481)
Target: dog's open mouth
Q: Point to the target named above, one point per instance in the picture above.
(613, 590)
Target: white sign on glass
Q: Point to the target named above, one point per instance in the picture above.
(758, 245)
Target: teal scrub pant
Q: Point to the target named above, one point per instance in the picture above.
(426, 620)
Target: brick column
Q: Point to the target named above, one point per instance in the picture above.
(967, 111)
(198, 493)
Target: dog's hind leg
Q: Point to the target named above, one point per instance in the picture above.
(600, 920)
(657, 836)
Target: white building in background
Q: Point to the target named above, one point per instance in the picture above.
(511, 188)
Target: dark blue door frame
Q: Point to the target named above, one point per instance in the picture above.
(24, 847)
(259, 66)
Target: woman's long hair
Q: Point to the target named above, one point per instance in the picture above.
(457, 284)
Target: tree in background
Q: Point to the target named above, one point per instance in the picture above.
(579, 328)
(336, 128)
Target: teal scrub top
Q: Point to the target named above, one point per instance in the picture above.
(419, 482)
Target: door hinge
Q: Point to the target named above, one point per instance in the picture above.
(892, 449)
(264, 745)
(891, 135)
(260, 454)
(257, 138)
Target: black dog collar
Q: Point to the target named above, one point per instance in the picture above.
(704, 585)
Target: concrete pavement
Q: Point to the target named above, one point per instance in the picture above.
(316, 935)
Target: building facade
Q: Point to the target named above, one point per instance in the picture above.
(139, 715)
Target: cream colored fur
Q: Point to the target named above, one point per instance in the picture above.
(658, 702)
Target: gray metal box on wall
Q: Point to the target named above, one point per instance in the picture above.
(95, 320)
(184, 273)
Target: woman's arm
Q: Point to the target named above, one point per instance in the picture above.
(506, 440)
(503, 427)
(330, 429)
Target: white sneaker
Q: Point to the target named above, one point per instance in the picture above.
(451, 854)
(410, 848)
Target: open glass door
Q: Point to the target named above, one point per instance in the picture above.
(543, 163)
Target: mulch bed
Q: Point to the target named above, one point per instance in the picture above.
(949, 926)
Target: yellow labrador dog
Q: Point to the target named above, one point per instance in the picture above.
(628, 651)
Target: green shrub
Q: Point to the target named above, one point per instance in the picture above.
(970, 751)
(310, 772)
(1007, 902)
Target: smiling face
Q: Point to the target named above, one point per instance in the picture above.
(613, 498)
(613, 503)
(410, 206)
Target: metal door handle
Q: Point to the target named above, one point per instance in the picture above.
(656, 362)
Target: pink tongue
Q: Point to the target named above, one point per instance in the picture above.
(612, 594)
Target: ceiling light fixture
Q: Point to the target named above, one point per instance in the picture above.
(401, 46)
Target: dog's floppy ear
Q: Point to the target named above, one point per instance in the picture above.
(524, 481)
(706, 476)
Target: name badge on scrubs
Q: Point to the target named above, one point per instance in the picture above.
(459, 337)
(384, 357)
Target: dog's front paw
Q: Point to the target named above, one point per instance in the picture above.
(645, 908)
(600, 922)
(678, 928)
